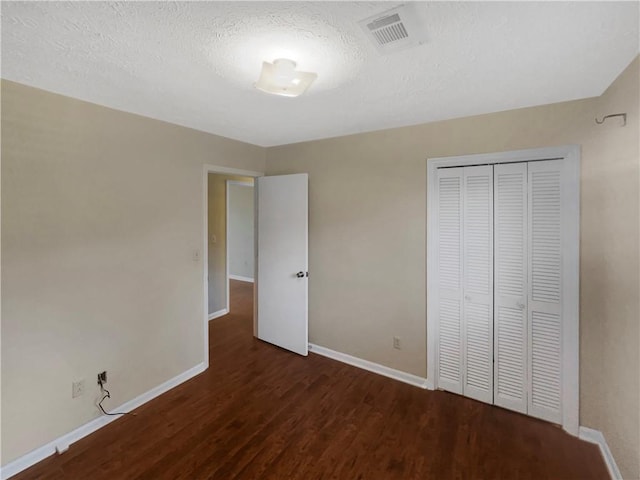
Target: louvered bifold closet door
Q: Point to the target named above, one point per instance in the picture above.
(477, 323)
(449, 289)
(510, 283)
(545, 295)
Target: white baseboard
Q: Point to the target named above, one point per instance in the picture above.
(62, 443)
(371, 367)
(241, 278)
(595, 436)
(219, 313)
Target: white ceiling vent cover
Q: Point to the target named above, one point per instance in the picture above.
(395, 29)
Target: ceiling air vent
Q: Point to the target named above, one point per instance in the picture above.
(395, 29)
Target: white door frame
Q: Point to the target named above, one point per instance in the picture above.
(570, 154)
(239, 184)
(206, 170)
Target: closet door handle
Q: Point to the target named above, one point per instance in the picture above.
(520, 305)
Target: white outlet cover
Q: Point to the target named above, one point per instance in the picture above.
(77, 388)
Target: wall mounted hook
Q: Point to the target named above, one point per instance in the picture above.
(623, 115)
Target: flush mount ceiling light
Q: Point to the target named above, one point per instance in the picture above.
(281, 78)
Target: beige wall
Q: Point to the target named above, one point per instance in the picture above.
(101, 214)
(217, 221)
(367, 234)
(241, 234)
(610, 285)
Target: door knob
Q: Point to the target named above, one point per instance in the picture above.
(300, 274)
(520, 305)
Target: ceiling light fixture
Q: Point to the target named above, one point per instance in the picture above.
(281, 78)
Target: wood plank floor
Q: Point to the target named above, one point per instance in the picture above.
(260, 412)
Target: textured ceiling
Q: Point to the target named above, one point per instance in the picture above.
(194, 63)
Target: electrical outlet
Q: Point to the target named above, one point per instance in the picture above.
(77, 388)
(102, 378)
(396, 343)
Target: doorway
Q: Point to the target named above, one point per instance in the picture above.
(281, 269)
(216, 271)
(230, 246)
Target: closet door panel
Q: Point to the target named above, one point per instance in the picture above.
(510, 323)
(477, 324)
(545, 293)
(449, 299)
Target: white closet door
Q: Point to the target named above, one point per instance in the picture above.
(545, 295)
(449, 289)
(477, 324)
(510, 374)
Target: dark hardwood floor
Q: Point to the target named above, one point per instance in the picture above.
(260, 412)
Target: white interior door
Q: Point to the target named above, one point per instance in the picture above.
(503, 280)
(545, 289)
(449, 290)
(510, 280)
(282, 228)
(477, 283)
